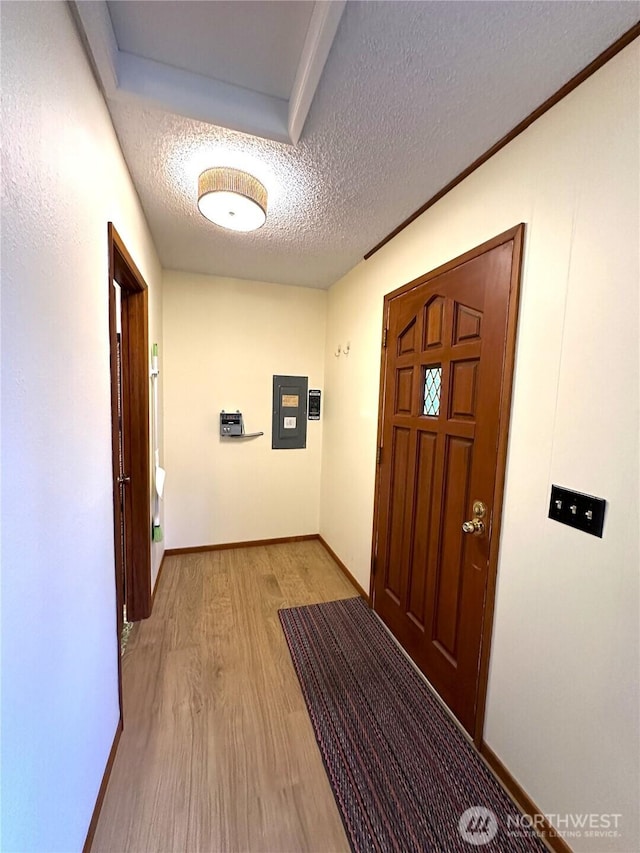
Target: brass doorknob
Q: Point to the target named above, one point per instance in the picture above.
(476, 525)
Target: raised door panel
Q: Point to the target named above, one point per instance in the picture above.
(449, 571)
(464, 387)
(406, 342)
(433, 323)
(401, 469)
(422, 528)
(404, 386)
(467, 323)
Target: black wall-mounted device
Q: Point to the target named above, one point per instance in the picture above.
(231, 423)
(314, 404)
(584, 512)
(232, 426)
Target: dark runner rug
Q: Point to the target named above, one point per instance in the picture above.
(402, 773)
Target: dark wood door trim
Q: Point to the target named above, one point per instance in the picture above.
(138, 578)
(115, 457)
(135, 370)
(501, 466)
(516, 236)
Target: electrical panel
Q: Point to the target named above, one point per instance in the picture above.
(289, 425)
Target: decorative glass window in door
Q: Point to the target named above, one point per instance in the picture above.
(432, 390)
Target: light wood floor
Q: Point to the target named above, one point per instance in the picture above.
(218, 753)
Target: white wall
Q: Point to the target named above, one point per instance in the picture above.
(224, 340)
(563, 690)
(63, 178)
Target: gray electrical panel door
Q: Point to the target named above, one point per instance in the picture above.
(289, 428)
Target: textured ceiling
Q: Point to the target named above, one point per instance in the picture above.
(411, 94)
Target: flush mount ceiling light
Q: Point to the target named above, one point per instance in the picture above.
(232, 199)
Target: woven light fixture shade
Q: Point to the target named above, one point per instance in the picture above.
(232, 199)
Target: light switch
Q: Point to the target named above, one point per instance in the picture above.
(584, 512)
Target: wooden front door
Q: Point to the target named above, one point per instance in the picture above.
(446, 385)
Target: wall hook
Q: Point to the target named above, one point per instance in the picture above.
(337, 354)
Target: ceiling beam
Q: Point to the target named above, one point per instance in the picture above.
(202, 98)
(323, 26)
(126, 77)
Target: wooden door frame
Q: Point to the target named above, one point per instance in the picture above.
(135, 379)
(515, 235)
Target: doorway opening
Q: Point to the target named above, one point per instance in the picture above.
(129, 355)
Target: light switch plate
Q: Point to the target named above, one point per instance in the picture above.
(584, 512)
